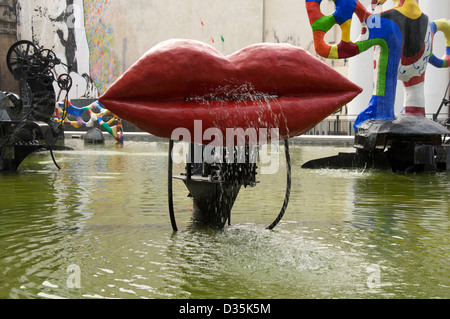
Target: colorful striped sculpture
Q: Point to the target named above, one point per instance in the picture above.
(113, 126)
(405, 38)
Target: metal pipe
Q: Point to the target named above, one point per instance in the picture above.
(288, 186)
(445, 101)
(169, 185)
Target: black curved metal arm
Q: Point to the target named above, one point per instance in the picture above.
(286, 198)
(288, 186)
(445, 102)
(169, 183)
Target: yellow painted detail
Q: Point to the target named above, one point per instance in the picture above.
(443, 25)
(345, 27)
(333, 52)
(410, 8)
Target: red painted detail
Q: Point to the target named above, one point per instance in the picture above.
(402, 2)
(260, 86)
(314, 12)
(322, 48)
(415, 110)
(413, 59)
(415, 80)
(361, 12)
(347, 49)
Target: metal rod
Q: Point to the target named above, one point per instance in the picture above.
(169, 183)
(288, 186)
(444, 102)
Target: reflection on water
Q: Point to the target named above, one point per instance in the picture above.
(346, 233)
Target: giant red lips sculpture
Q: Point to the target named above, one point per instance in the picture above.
(263, 86)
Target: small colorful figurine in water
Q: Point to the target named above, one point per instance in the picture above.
(405, 38)
(66, 107)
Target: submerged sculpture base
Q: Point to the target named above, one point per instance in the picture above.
(214, 187)
(19, 139)
(212, 201)
(405, 144)
(94, 136)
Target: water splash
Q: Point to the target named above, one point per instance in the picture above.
(242, 97)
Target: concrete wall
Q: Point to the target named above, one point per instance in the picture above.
(8, 36)
(436, 80)
(101, 39)
(112, 35)
(286, 21)
(58, 25)
(124, 30)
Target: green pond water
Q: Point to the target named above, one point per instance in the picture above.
(99, 228)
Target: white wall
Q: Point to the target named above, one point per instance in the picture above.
(360, 70)
(227, 25)
(40, 22)
(120, 32)
(436, 80)
(287, 21)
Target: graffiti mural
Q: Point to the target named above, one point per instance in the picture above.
(59, 26)
(105, 65)
(50, 17)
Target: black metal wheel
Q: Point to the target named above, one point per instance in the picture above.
(64, 82)
(288, 186)
(20, 57)
(49, 58)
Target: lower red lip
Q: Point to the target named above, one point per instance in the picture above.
(261, 86)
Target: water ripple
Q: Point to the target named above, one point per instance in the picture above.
(106, 213)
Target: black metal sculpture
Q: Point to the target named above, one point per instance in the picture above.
(405, 144)
(214, 187)
(28, 127)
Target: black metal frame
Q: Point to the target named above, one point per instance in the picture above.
(33, 127)
(214, 197)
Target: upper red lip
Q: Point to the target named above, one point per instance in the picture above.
(261, 86)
